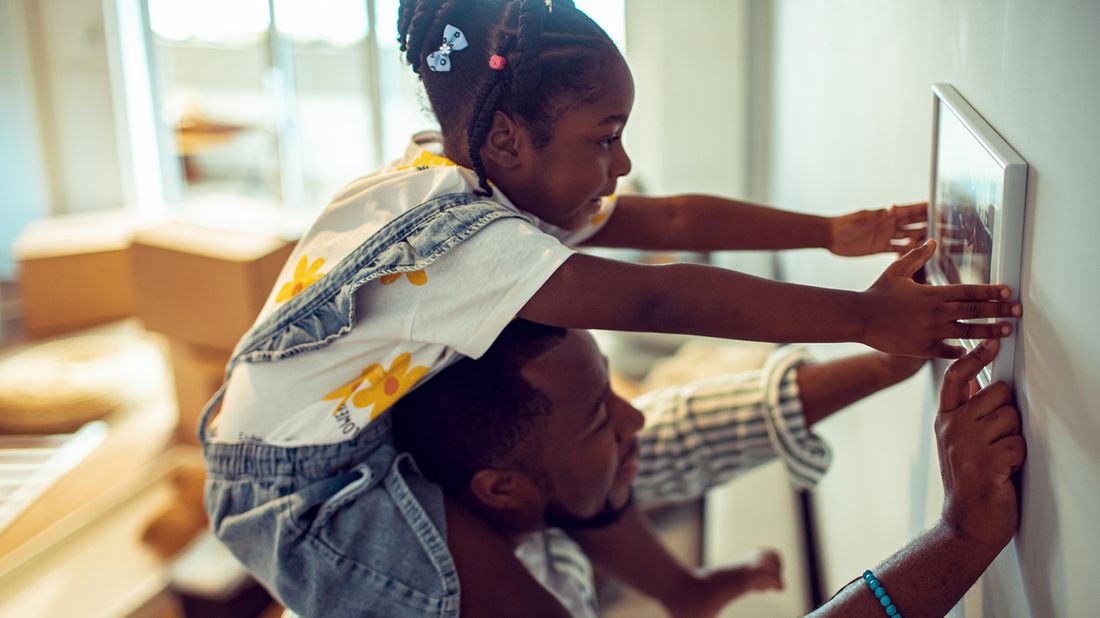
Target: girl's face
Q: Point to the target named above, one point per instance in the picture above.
(562, 182)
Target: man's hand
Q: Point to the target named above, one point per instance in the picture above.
(980, 446)
(905, 317)
(895, 229)
(712, 589)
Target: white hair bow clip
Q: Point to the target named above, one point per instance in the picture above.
(453, 40)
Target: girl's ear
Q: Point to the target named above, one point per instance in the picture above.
(506, 490)
(505, 144)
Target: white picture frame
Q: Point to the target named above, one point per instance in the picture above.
(975, 209)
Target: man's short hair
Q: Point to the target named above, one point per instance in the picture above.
(477, 414)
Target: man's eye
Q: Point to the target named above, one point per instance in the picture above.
(605, 423)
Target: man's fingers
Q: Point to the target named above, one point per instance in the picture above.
(962, 292)
(987, 401)
(1011, 451)
(911, 262)
(954, 393)
(1002, 422)
(962, 330)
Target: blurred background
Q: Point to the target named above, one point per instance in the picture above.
(158, 159)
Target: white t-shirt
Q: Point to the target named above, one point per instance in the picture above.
(409, 325)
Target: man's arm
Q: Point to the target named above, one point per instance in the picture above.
(633, 553)
(492, 581)
(927, 578)
(980, 447)
(630, 550)
(708, 223)
(834, 385)
(704, 434)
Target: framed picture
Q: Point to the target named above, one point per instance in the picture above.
(976, 208)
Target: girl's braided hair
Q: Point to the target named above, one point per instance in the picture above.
(554, 62)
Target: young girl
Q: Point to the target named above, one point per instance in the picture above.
(429, 258)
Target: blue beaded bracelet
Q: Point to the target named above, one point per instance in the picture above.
(880, 594)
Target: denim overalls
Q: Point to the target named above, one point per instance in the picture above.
(345, 529)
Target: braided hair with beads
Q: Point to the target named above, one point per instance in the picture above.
(553, 61)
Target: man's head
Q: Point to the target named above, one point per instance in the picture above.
(529, 435)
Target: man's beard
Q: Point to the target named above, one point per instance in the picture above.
(557, 516)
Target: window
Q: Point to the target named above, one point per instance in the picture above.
(283, 101)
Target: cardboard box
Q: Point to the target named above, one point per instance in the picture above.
(203, 285)
(74, 272)
(198, 374)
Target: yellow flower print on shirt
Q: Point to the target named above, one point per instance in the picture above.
(386, 387)
(428, 159)
(346, 391)
(416, 277)
(305, 275)
(601, 216)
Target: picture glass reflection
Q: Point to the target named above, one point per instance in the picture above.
(968, 191)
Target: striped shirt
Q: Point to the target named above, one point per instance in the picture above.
(696, 437)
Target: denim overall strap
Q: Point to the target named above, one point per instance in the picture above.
(325, 311)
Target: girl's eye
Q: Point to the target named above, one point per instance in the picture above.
(609, 140)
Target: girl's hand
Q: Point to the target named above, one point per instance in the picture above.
(905, 317)
(896, 229)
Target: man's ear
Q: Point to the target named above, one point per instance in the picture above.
(505, 143)
(505, 490)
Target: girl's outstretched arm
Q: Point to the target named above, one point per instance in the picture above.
(707, 223)
(895, 315)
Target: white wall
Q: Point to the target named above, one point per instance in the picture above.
(686, 132)
(69, 58)
(690, 132)
(23, 190)
(850, 128)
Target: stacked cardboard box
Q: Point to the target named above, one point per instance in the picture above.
(74, 272)
(203, 288)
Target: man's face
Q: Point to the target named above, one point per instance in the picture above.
(588, 444)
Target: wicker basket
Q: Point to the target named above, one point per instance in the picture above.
(59, 385)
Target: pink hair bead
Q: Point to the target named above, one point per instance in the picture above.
(497, 63)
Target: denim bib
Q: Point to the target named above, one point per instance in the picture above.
(351, 528)
(325, 311)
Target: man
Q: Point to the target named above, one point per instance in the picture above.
(531, 437)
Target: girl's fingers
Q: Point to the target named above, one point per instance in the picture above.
(915, 233)
(976, 309)
(943, 350)
(973, 292)
(904, 247)
(962, 330)
(913, 261)
(911, 213)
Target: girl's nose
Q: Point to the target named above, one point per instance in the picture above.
(628, 420)
(622, 163)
